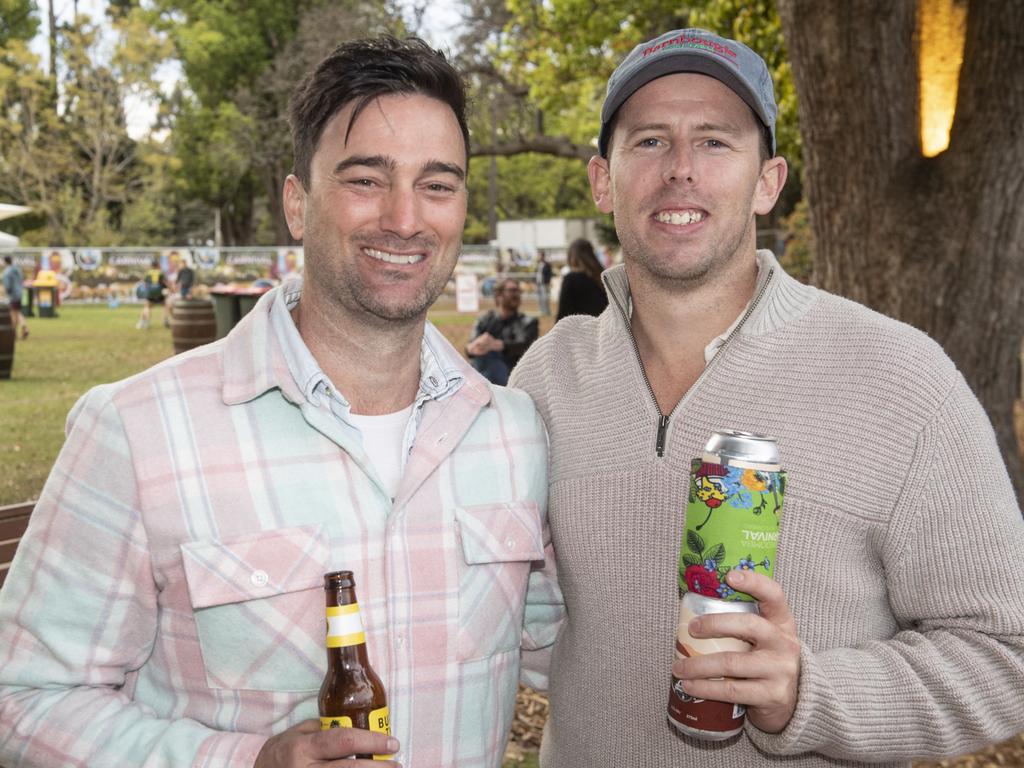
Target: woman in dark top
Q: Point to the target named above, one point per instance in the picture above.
(582, 292)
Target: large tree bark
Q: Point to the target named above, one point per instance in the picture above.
(935, 242)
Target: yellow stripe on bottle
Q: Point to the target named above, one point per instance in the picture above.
(344, 626)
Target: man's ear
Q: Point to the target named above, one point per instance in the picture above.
(600, 184)
(294, 198)
(770, 184)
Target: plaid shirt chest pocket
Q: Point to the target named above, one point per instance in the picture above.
(259, 608)
(498, 543)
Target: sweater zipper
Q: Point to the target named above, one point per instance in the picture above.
(663, 420)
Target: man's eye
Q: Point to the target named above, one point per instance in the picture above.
(363, 182)
(649, 142)
(437, 186)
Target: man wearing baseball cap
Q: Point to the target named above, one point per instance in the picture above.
(894, 628)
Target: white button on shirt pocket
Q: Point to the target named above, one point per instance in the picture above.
(258, 633)
(498, 544)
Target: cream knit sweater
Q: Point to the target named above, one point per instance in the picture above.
(901, 549)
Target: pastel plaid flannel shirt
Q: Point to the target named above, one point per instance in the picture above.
(165, 607)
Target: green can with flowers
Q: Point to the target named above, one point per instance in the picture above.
(732, 513)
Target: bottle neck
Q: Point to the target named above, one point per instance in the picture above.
(348, 656)
(346, 638)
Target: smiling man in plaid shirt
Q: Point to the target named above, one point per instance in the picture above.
(166, 607)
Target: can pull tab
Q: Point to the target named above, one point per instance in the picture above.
(659, 446)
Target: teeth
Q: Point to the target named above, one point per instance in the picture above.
(680, 217)
(393, 258)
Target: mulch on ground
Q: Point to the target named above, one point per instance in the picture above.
(532, 713)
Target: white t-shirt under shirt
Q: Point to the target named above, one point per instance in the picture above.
(382, 441)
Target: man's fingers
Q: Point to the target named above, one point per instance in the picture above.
(772, 603)
(306, 726)
(750, 693)
(342, 742)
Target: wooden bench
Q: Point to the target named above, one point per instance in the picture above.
(13, 522)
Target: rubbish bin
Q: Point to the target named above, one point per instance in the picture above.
(247, 298)
(231, 304)
(226, 309)
(45, 288)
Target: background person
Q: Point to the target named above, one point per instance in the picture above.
(883, 639)
(154, 288)
(185, 279)
(14, 285)
(165, 606)
(582, 292)
(502, 335)
(543, 279)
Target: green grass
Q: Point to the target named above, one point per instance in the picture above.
(90, 344)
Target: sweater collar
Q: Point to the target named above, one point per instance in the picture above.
(785, 299)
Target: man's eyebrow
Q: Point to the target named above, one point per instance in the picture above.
(718, 127)
(366, 161)
(388, 164)
(440, 166)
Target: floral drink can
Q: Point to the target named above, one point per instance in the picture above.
(732, 521)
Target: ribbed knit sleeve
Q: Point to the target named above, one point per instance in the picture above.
(950, 679)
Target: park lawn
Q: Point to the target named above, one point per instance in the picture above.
(90, 344)
(86, 345)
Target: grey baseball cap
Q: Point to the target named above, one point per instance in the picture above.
(692, 50)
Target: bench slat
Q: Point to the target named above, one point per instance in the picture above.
(13, 522)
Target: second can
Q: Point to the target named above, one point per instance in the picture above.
(732, 522)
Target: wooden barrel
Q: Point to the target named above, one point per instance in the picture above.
(6, 341)
(192, 323)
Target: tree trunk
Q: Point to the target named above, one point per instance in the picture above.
(936, 242)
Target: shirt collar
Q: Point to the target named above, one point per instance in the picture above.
(440, 375)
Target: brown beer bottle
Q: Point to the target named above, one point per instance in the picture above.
(352, 696)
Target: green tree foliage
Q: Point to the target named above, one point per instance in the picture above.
(241, 60)
(17, 21)
(529, 185)
(69, 156)
(540, 70)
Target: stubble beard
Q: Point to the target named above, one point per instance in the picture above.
(343, 287)
(668, 271)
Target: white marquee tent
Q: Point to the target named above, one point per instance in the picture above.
(8, 210)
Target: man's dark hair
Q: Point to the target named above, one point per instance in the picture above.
(361, 71)
(7, 258)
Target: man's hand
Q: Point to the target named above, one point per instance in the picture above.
(483, 344)
(305, 745)
(764, 679)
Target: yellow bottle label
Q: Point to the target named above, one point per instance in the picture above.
(326, 723)
(344, 626)
(379, 721)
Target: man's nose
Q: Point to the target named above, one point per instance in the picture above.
(400, 213)
(680, 165)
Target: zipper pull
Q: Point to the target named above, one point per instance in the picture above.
(659, 447)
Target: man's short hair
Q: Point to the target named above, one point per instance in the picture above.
(361, 71)
(7, 258)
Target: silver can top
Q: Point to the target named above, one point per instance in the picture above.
(700, 605)
(731, 446)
